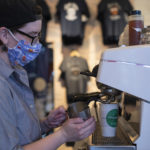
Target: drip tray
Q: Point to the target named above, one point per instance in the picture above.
(120, 142)
(107, 141)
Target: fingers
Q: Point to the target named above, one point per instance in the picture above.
(76, 129)
(57, 111)
(76, 121)
(60, 115)
(87, 122)
(85, 132)
(60, 109)
(60, 118)
(57, 121)
(86, 128)
(80, 122)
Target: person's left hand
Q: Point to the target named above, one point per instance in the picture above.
(56, 117)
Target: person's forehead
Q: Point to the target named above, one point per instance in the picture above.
(32, 26)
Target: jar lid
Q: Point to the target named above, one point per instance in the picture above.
(135, 12)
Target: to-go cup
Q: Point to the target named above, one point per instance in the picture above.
(108, 119)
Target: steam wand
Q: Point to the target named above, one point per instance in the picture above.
(95, 96)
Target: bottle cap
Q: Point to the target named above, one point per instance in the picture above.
(135, 12)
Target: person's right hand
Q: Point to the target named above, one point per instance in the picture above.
(76, 129)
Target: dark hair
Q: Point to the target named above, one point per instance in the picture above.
(37, 10)
(18, 12)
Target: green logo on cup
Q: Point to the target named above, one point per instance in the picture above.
(112, 117)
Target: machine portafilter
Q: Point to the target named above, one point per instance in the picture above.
(107, 95)
(79, 106)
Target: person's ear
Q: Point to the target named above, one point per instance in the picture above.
(4, 35)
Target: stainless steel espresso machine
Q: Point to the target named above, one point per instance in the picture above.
(127, 69)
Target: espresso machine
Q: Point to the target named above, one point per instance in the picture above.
(127, 69)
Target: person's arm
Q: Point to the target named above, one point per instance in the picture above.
(73, 130)
(51, 142)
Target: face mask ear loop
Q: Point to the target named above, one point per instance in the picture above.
(13, 35)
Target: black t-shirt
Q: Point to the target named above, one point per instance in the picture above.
(112, 15)
(69, 12)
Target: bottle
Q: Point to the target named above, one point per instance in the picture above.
(145, 35)
(136, 24)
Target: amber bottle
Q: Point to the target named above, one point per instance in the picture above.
(136, 24)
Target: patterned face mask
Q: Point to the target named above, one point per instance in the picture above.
(23, 53)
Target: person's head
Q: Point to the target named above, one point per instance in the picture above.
(20, 20)
(16, 16)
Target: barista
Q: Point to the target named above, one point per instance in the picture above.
(20, 129)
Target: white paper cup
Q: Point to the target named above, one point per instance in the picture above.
(108, 119)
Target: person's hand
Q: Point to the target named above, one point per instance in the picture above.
(77, 129)
(56, 117)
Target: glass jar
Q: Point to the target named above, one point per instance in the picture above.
(136, 24)
(145, 35)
